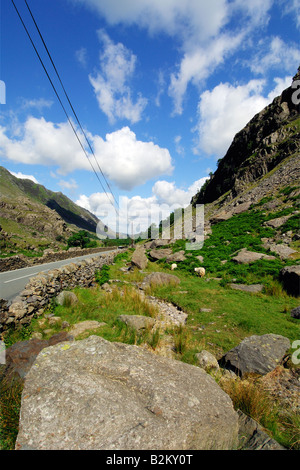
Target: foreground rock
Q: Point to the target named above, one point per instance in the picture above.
(253, 437)
(93, 394)
(256, 354)
(20, 356)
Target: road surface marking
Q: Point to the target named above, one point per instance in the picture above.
(17, 278)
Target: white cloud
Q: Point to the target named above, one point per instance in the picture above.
(205, 32)
(139, 213)
(168, 193)
(38, 104)
(292, 7)
(198, 64)
(170, 16)
(111, 84)
(129, 162)
(42, 142)
(69, 185)
(234, 106)
(123, 158)
(81, 56)
(226, 104)
(22, 176)
(276, 54)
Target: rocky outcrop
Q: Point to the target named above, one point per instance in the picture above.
(267, 140)
(256, 354)
(93, 395)
(245, 257)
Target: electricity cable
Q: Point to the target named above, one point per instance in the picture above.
(57, 95)
(69, 101)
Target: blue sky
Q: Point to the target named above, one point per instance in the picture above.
(160, 88)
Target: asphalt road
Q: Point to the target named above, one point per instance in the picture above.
(13, 282)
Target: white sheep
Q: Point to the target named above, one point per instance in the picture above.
(174, 266)
(200, 271)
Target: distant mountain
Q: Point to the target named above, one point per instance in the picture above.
(33, 217)
(71, 213)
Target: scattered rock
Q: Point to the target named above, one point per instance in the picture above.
(245, 257)
(138, 322)
(290, 278)
(206, 360)
(275, 223)
(159, 278)
(295, 313)
(282, 250)
(256, 354)
(139, 258)
(252, 436)
(160, 254)
(54, 321)
(83, 326)
(160, 242)
(94, 394)
(66, 298)
(253, 288)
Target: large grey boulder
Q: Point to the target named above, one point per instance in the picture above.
(256, 354)
(137, 322)
(159, 254)
(246, 257)
(159, 279)
(97, 395)
(139, 258)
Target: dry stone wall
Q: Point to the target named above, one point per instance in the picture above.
(21, 261)
(41, 289)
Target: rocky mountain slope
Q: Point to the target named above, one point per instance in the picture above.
(33, 217)
(261, 171)
(263, 156)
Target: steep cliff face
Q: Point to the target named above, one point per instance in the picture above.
(269, 139)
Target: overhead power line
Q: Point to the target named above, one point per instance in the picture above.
(60, 101)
